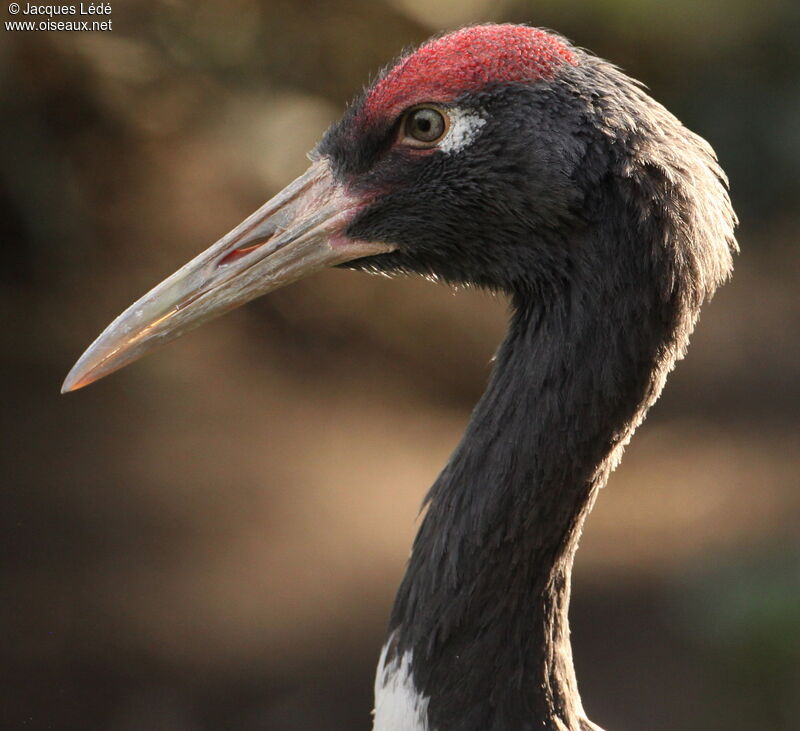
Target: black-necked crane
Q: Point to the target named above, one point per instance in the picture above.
(503, 157)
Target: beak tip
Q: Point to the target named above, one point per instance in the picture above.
(77, 378)
(70, 383)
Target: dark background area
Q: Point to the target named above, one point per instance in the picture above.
(211, 538)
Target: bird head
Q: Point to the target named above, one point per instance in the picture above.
(465, 150)
(469, 160)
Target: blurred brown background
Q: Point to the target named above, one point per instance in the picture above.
(211, 538)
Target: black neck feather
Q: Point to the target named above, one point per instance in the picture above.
(483, 606)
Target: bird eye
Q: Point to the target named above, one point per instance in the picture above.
(424, 126)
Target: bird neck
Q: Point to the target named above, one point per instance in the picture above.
(479, 630)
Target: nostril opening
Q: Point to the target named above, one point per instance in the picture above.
(236, 254)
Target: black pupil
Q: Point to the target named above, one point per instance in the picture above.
(426, 125)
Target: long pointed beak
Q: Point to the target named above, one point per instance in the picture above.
(299, 232)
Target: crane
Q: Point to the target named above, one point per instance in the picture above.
(498, 156)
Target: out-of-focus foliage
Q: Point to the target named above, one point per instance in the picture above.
(211, 538)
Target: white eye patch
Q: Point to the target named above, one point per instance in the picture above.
(464, 128)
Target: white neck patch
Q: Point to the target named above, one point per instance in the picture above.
(464, 128)
(398, 704)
